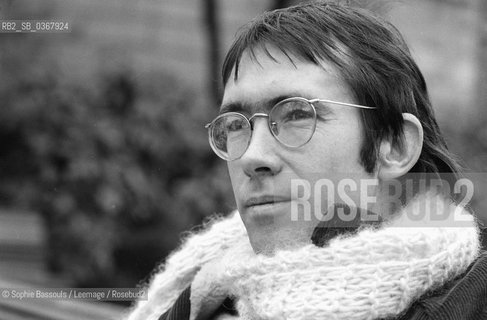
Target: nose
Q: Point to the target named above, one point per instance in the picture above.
(261, 158)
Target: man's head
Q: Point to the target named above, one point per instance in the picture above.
(373, 60)
(333, 52)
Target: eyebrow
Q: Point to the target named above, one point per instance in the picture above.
(265, 105)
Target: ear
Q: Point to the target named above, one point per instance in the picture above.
(397, 159)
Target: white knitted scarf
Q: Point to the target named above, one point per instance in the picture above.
(373, 274)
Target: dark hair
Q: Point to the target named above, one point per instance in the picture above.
(373, 60)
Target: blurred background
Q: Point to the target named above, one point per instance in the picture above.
(104, 157)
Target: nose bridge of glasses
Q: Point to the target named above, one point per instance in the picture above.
(256, 115)
(265, 115)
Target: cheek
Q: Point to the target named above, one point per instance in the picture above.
(232, 172)
(334, 150)
(237, 177)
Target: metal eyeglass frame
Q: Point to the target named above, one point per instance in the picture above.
(270, 124)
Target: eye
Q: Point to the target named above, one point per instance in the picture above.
(235, 125)
(297, 114)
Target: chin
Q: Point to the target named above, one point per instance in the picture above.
(267, 242)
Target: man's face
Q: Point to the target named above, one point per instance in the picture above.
(262, 177)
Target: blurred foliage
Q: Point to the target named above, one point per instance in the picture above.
(116, 161)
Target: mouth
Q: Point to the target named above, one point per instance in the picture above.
(264, 201)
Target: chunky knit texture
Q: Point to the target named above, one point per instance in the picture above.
(373, 274)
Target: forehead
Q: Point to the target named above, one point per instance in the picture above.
(262, 78)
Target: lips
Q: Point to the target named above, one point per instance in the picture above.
(264, 200)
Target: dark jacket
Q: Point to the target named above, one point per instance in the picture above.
(464, 298)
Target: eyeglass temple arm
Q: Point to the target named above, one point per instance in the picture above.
(342, 104)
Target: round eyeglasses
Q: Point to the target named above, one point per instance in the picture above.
(291, 121)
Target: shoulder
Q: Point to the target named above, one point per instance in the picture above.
(172, 277)
(463, 298)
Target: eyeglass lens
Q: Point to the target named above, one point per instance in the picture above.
(292, 122)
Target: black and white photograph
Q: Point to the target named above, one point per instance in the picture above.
(243, 159)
